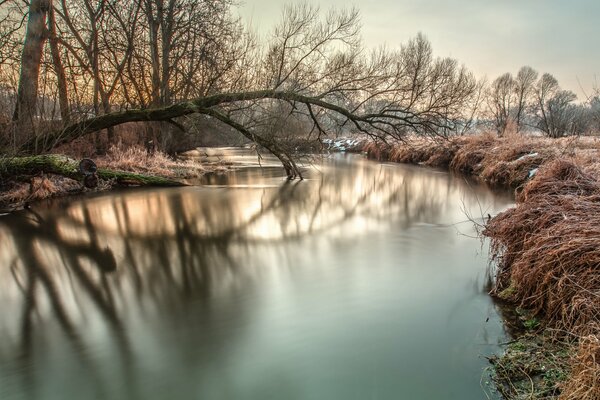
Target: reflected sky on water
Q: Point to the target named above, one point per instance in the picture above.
(362, 281)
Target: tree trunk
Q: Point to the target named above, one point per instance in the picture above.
(33, 46)
(61, 78)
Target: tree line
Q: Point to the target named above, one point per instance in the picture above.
(528, 101)
(74, 68)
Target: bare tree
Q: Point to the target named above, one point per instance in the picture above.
(546, 88)
(560, 114)
(502, 101)
(27, 92)
(524, 86)
(185, 57)
(59, 68)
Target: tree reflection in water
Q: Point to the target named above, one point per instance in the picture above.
(107, 265)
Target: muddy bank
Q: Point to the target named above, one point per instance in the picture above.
(545, 252)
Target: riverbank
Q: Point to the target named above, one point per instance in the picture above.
(122, 167)
(544, 250)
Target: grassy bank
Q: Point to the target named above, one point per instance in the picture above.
(119, 167)
(546, 252)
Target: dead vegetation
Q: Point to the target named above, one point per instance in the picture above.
(17, 193)
(548, 261)
(546, 249)
(433, 153)
(508, 162)
(137, 159)
(585, 377)
(131, 166)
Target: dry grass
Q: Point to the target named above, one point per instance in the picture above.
(377, 150)
(547, 248)
(548, 261)
(426, 151)
(17, 191)
(505, 162)
(137, 159)
(471, 152)
(38, 188)
(584, 383)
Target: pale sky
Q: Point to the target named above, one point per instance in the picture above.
(489, 36)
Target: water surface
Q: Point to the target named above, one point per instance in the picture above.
(361, 282)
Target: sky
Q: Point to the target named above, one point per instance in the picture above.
(490, 37)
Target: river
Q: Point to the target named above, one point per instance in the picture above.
(364, 281)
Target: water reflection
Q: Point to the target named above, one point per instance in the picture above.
(149, 293)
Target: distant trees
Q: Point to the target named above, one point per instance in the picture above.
(89, 65)
(556, 115)
(524, 84)
(526, 102)
(509, 99)
(501, 101)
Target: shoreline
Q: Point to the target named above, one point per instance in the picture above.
(558, 174)
(119, 168)
(543, 251)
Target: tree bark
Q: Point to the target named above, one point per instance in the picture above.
(33, 46)
(61, 78)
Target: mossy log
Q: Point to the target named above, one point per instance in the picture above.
(22, 167)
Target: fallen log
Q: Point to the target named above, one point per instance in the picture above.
(21, 168)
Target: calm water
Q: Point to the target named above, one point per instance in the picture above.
(359, 283)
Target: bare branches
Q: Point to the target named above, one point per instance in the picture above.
(163, 59)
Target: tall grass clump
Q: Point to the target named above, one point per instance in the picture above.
(546, 248)
(548, 261)
(137, 159)
(584, 383)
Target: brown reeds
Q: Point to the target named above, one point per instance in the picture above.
(426, 151)
(584, 382)
(38, 188)
(547, 248)
(471, 153)
(548, 261)
(137, 159)
(508, 162)
(377, 150)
